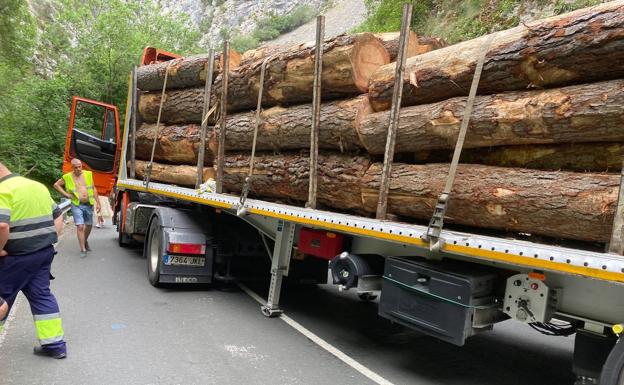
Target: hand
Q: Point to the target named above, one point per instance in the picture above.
(3, 253)
(98, 208)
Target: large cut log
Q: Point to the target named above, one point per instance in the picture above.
(580, 46)
(185, 72)
(289, 128)
(552, 203)
(584, 113)
(416, 45)
(593, 157)
(286, 177)
(280, 128)
(182, 175)
(175, 144)
(348, 62)
(180, 106)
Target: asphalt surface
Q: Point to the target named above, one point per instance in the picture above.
(121, 330)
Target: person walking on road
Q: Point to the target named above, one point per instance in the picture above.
(28, 220)
(78, 186)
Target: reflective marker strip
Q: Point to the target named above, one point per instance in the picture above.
(49, 328)
(32, 233)
(31, 221)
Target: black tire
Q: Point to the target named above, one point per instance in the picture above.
(122, 238)
(153, 251)
(367, 296)
(613, 369)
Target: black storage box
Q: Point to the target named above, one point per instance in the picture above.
(438, 298)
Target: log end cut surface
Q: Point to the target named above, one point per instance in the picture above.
(368, 55)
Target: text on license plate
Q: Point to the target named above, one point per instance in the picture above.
(184, 260)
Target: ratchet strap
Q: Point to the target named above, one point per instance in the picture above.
(436, 223)
(248, 180)
(148, 171)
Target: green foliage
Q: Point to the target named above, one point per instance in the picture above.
(455, 20)
(272, 26)
(243, 43)
(563, 6)
(80, 47)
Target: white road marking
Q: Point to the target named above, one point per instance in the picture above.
(321, 342)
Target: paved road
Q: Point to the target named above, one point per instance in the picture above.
(120, 330)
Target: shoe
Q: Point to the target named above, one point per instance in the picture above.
(87, 246)
(40, 351)
(83, 254)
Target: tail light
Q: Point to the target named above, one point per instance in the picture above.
(186, 248)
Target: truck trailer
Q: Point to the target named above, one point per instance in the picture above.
(458, 287)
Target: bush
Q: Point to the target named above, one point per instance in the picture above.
(272, 26)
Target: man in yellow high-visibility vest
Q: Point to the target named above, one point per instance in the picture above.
(28, 229)
(78, 186)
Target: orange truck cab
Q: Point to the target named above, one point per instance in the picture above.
(94, 134)
(94, 138)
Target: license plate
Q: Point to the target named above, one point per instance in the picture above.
(183, 260)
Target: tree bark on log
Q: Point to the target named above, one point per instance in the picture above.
(580, 46)
(183, 106)
(348, 62)
(181, 175)
(184, 72)
(286, 176)
(416, 45)
(289, 128)
(592, 157)
(175, 144)
(280, 128)
(584, 113)
(557, 204)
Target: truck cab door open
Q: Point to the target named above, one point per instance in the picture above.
(93, 137)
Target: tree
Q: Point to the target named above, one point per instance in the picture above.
(80, 47)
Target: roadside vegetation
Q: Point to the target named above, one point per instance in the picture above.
(272, 26)
(456, 21)
(52, 50)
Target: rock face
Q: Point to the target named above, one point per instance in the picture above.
(235, 16)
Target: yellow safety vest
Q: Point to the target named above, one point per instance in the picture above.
(27, 207)
(70, 186)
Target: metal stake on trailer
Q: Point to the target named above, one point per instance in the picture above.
(616, 244)
(316, 110)
(222, 131)
(132, 109)
(204, 123)
(382, 202)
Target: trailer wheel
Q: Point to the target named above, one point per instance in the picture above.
(153, 252)
(613, 369)
(122, 238)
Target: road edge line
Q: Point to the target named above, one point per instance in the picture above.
(321, 342)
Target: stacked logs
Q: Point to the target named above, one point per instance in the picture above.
(541, 155)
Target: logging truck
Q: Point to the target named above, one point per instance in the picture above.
(451, 283)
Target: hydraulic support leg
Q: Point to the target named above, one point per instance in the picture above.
(279, 266)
